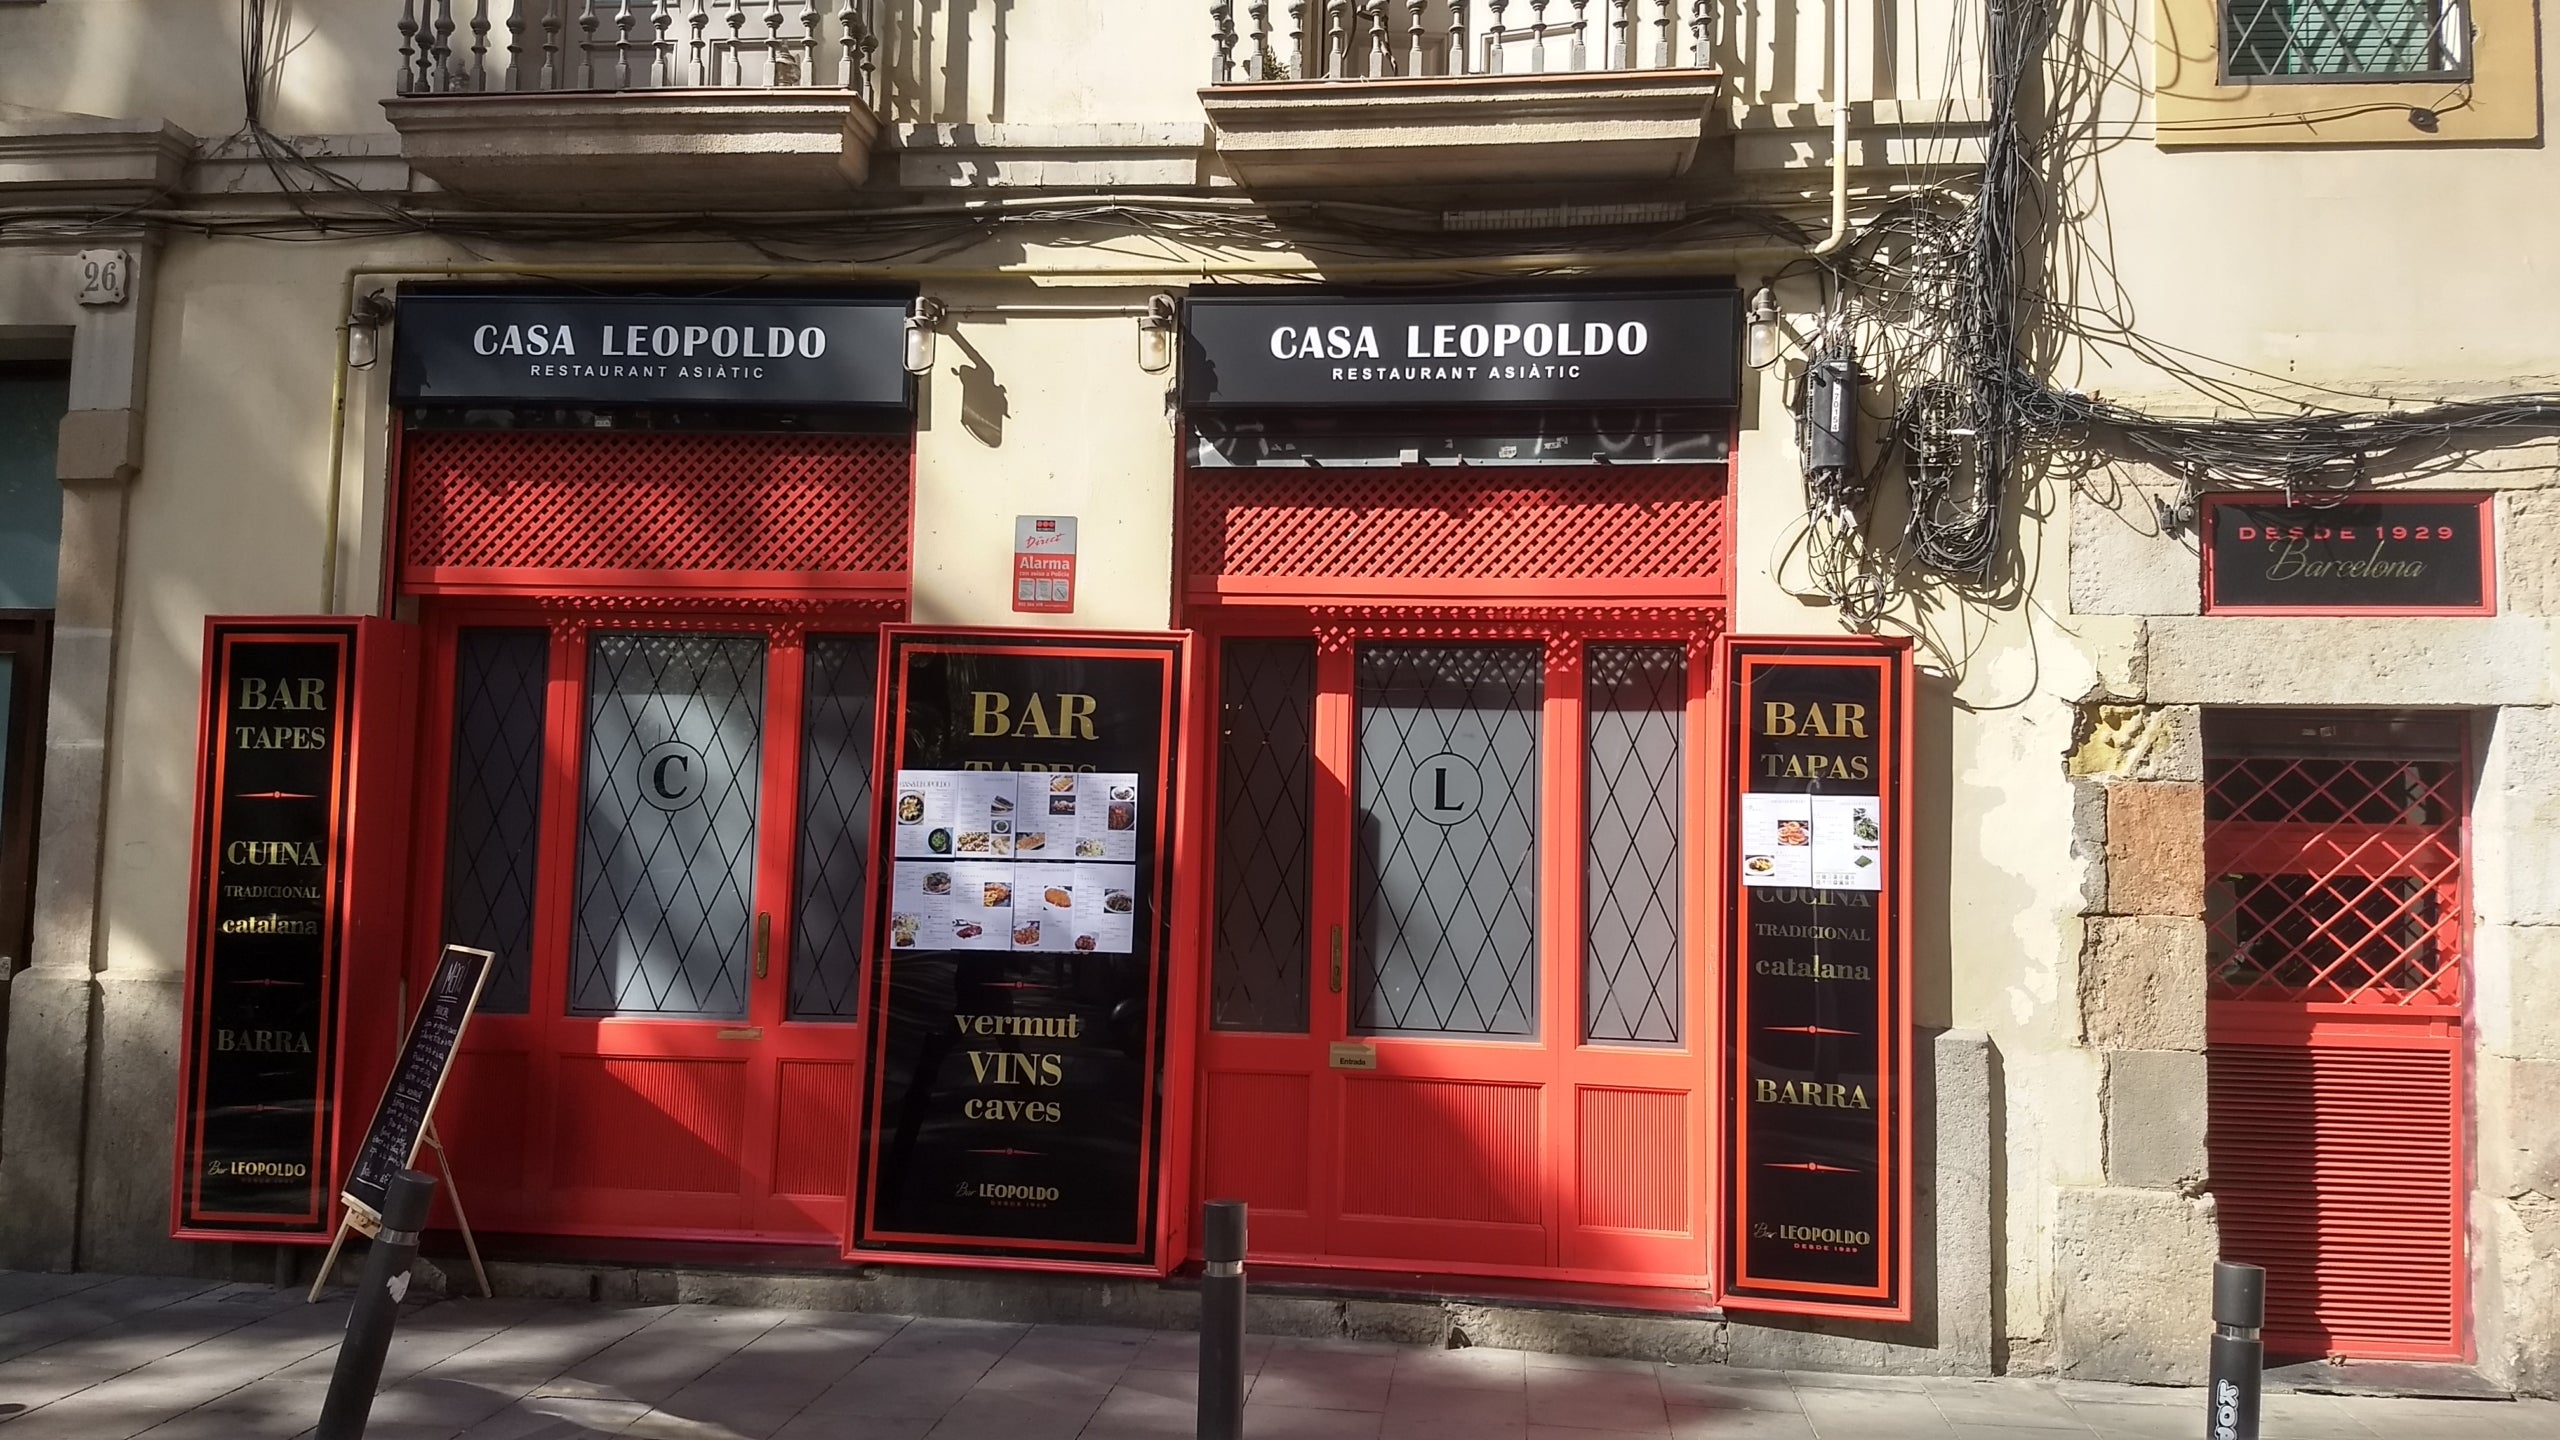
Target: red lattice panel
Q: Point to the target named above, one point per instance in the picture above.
(1661, 524)
(2336, 880)
(486, 511)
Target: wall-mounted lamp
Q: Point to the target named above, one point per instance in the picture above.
(922, 317)
(372, 311)
(1760, 342)
(1156, 331)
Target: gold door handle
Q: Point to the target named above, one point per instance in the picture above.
(764, 943)
(1334, 972)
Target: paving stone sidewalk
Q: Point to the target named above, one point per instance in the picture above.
(87, 1357)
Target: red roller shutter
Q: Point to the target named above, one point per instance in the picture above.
(2336, 1165)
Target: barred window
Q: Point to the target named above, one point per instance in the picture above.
(2345, 40)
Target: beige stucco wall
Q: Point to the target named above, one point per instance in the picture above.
(1044, 414)
(941, 61)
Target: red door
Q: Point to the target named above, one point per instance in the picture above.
(1456, 1006)
(658, 822)
(2336, 903)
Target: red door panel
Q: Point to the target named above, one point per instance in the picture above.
(2337, 901)
(1455, 998)
(657, 824)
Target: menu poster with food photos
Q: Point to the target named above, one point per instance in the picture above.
(1018, 1029)
(999, 860)
(1817, 1012)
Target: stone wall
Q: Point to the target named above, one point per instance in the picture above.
(2132, 1257)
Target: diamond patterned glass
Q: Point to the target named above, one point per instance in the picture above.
(2345, 39)
(835, 829)
(667, 825)
(1446, 809)
(1637, 698)
(1266, 765)
(494, 805)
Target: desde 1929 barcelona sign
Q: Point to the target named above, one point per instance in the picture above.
(1017, 1060)
(2415, 551)
(1817, 1009)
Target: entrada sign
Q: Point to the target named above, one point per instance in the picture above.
(726, 350)
(1672, 347)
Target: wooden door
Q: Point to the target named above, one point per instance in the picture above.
(1455, 1003)
(660, 826)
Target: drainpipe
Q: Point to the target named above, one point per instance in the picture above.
(1839, 130)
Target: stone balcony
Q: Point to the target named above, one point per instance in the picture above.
(1440, 92)
(654, 101)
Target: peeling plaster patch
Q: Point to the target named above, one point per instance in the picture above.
(2037, 991)
(2021, 832)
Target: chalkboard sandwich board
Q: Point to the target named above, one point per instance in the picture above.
(409, 1097)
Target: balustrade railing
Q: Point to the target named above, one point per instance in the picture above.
(517, 46)
(1396, 39)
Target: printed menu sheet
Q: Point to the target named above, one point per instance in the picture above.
(1822, 842)
(1004, 860)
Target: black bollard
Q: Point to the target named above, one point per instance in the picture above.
(1222, 1321)
(2239, 1356)
(377, 1307)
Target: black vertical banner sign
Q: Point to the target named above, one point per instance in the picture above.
(1817, 1022)
(262, 987)
(1017, 1025)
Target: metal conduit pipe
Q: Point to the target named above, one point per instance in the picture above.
(1690, 261)
(1839, 130)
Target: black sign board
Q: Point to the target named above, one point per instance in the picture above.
(417, 1077)
(1018, 1031)
(1817, 1004)
(531, 348)
(261, 1043)
(1608, 350)
(2390, 554)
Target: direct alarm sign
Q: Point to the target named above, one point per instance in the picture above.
(1044, 564)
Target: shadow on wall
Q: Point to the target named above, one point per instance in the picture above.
(943, 62)
(984, 406)
(226, 518)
